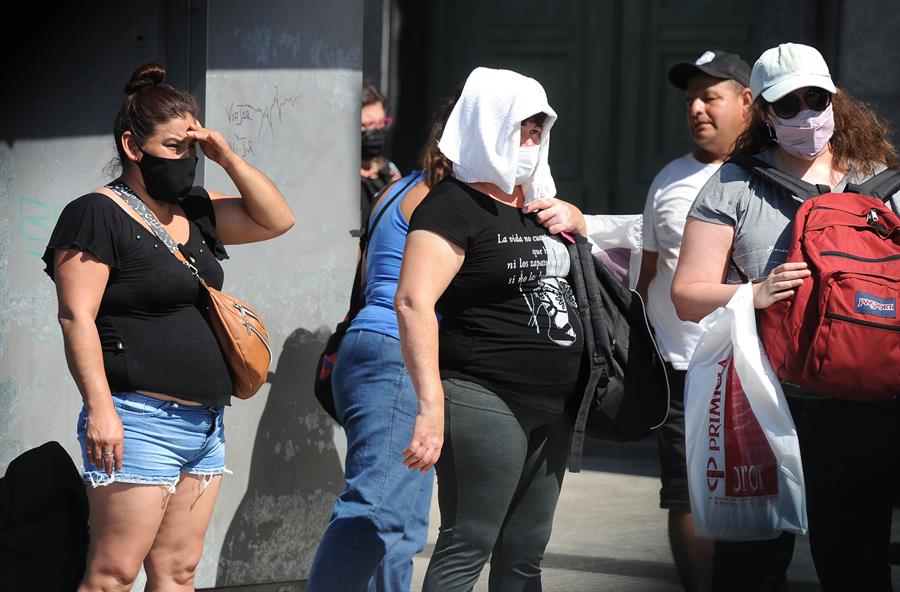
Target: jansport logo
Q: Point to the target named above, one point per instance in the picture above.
(873, 305)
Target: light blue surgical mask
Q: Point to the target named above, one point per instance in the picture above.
(528, 161)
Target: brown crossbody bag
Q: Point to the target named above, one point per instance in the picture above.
(237, 326)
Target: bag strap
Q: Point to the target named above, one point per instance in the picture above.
(370, 228)
(356, 299)
(883, 185)
(128, 195)
(796, 187)
(599, 332)
(585, 285)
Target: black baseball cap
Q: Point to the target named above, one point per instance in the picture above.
(716, 63)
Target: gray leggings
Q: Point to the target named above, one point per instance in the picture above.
(499, 478)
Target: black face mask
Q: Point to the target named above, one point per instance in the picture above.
(168, 179)
(373, 143)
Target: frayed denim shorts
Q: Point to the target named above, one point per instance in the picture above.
(163, 439)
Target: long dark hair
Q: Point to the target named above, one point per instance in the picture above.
(432, 161)
(149, 103)
(861, 138)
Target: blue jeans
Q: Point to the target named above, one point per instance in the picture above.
(381, 520)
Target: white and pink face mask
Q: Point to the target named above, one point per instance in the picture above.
(806, 134)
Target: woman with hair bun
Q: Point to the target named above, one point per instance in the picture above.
(137, 336)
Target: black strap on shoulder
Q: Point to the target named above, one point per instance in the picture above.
(796, 187)
(382, 210)
(584, 285)
(883, 185)
(356, 298)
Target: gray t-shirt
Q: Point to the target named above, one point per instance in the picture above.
(761, 214)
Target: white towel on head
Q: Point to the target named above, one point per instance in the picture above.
(482, 134)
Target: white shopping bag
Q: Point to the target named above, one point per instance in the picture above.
(743, 456)
(618, 242)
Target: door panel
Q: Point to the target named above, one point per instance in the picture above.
(657, 35)
(604, 66)
(546, 41)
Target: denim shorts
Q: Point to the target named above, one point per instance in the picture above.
(163, 439)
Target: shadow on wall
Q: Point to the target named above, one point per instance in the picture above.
(295, 474)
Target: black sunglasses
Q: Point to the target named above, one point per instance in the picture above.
(789, 105)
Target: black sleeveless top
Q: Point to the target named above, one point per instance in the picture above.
(153, 324)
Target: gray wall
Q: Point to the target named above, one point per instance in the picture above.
(281, 81)
(283, 84)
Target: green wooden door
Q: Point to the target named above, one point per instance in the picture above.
(604, 66)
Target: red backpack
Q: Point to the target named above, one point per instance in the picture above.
(839, 335)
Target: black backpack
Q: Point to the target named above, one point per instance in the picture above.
(627, 391)
(44, 530)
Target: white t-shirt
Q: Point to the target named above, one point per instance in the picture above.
(670, 197)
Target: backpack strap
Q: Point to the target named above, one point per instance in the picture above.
(584, 285)
(373, 222)
(796, 187)
(357, 301)
(883, 185)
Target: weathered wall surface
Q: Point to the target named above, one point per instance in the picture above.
(283, 85)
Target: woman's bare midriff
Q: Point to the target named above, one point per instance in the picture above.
(163, 397)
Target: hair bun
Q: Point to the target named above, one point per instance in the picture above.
(145, 76)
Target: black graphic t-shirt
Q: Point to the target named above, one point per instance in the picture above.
(508, 319)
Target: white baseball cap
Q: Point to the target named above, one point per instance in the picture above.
(783, 69)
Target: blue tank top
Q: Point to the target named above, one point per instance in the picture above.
(383, 258)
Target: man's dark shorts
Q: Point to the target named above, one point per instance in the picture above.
(670, 439)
